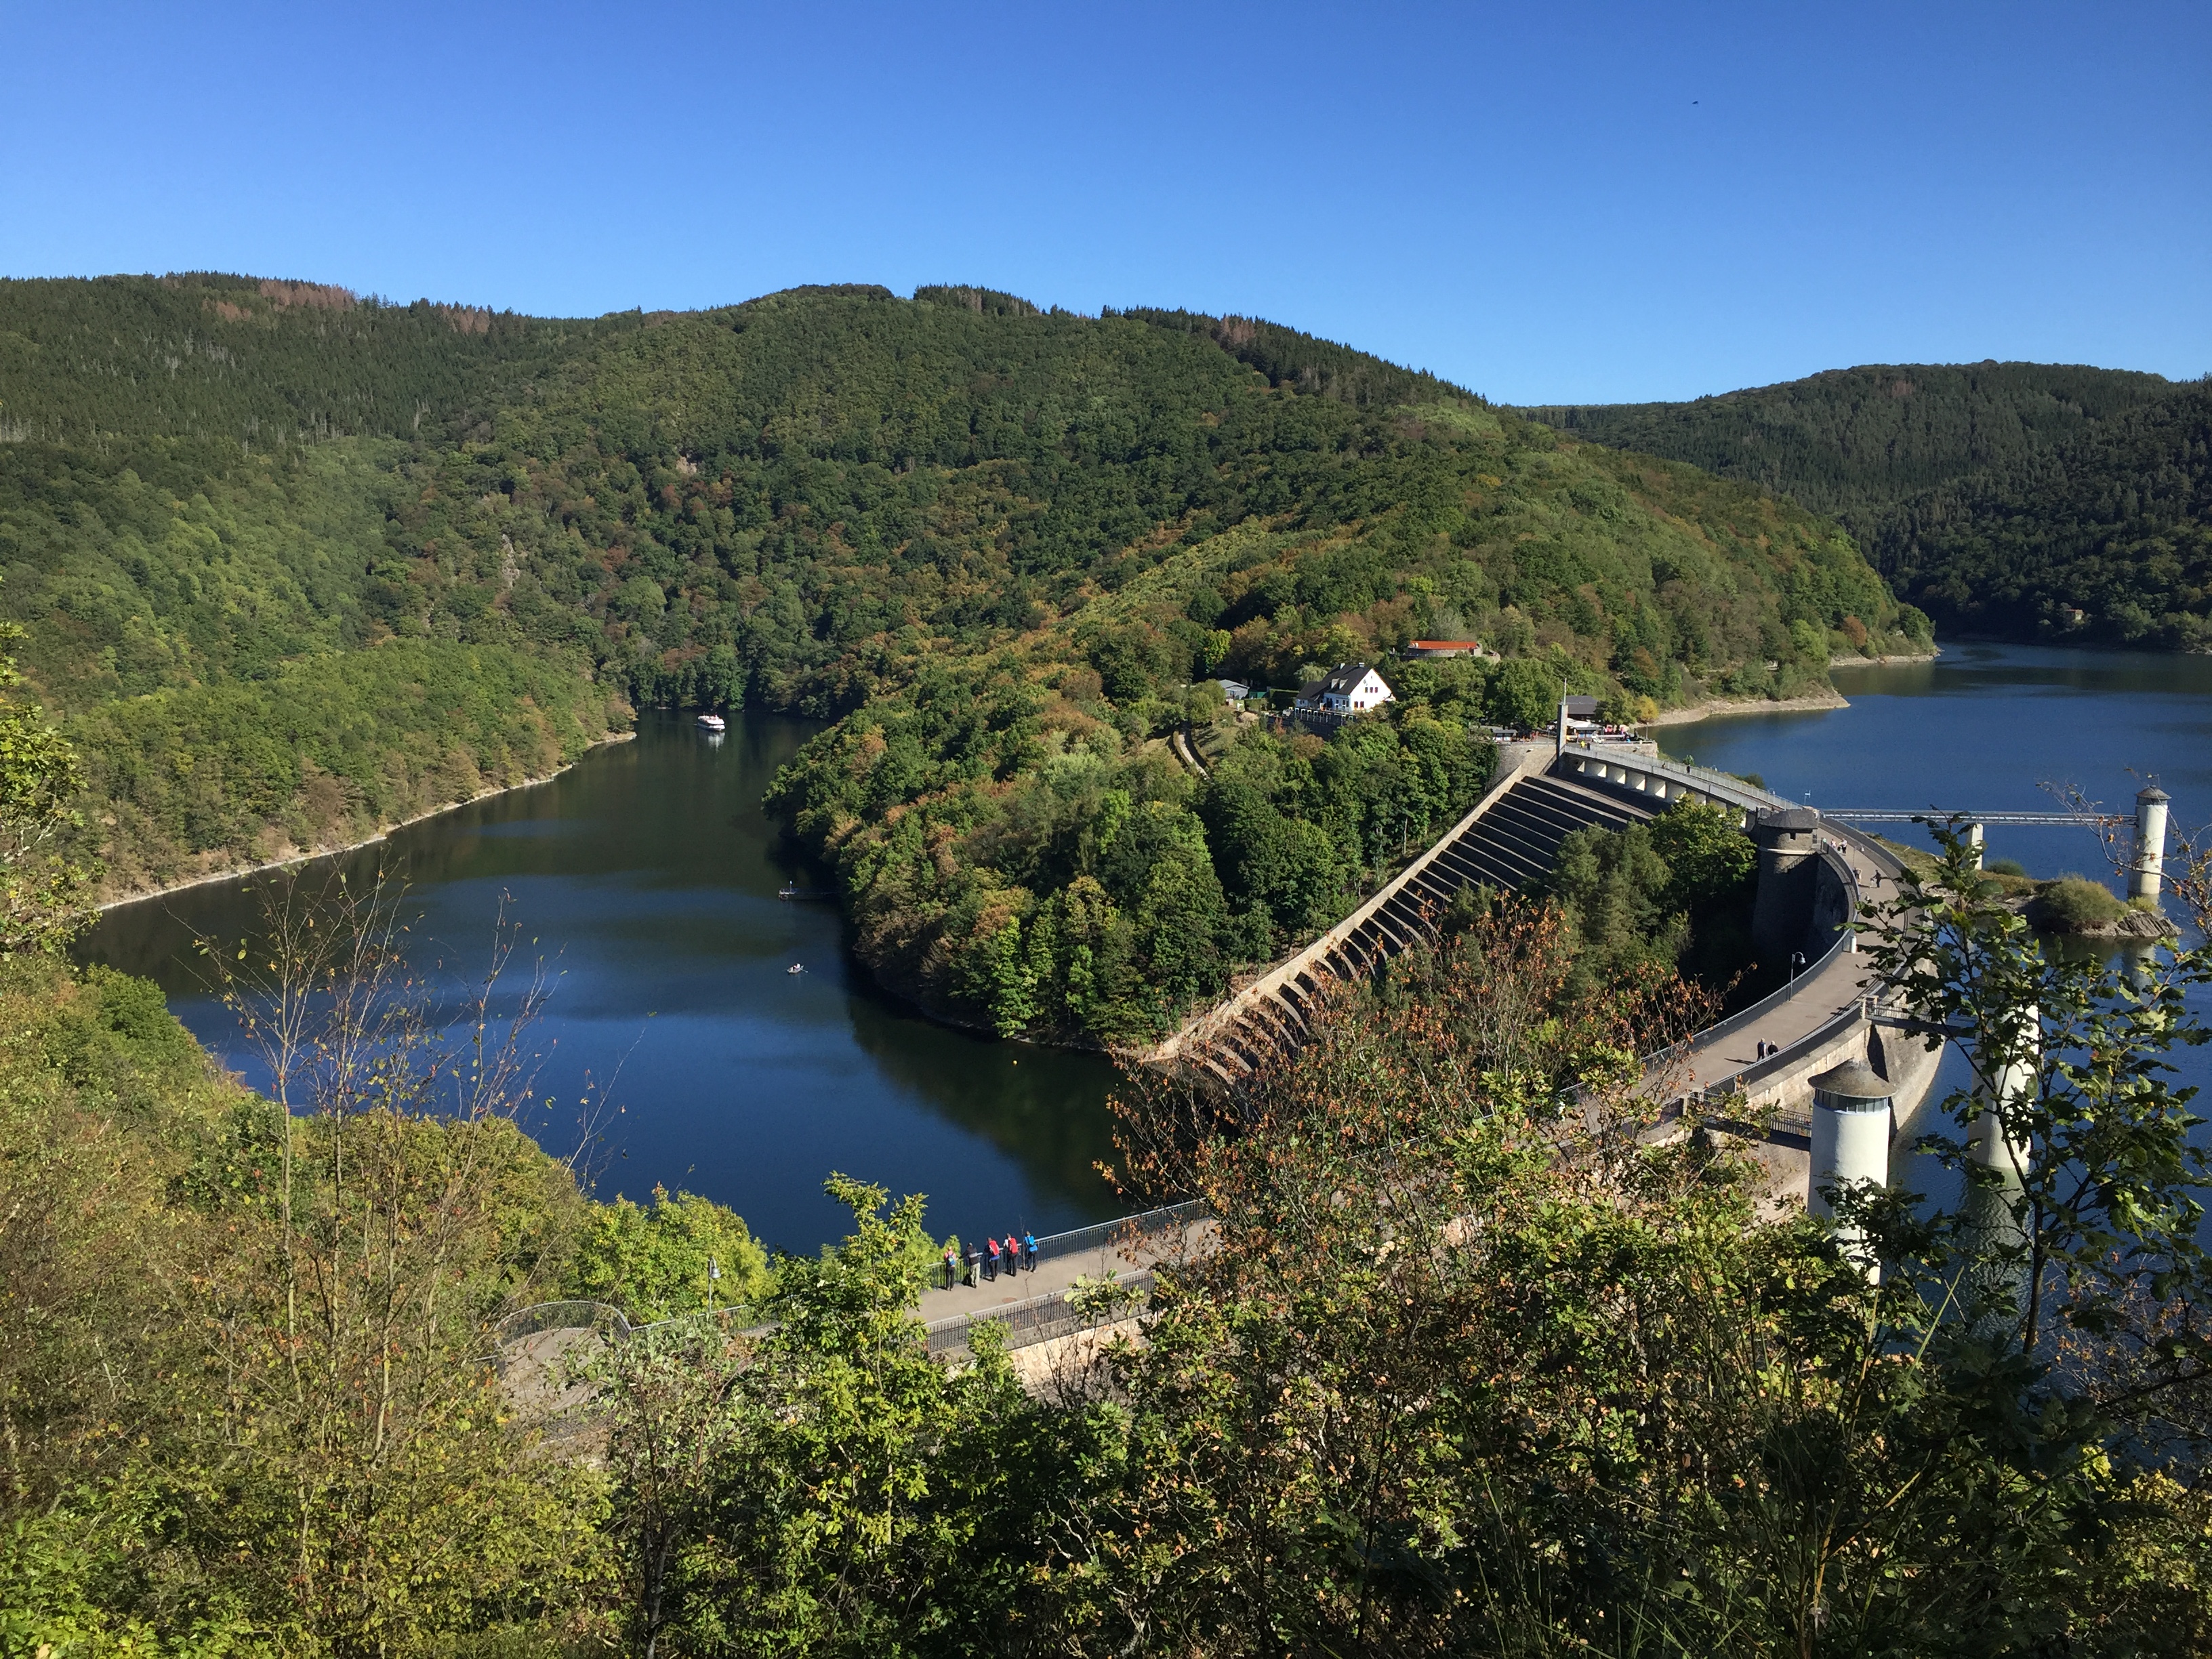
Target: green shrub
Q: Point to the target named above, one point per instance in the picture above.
(2074, 904)
(652, 1260)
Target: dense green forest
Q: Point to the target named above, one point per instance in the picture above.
(1470, 1361)
(262, 533)
(2025, 500)
(2106, 538)
(1470, 1364)
(261, 362)
(1851, 442)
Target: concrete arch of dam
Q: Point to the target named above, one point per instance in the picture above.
(1813, 873)
(1759, 1063)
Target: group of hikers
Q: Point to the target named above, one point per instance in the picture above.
(986, 1260)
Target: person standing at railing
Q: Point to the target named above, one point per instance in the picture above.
(1014, 1254)
(951, 1264)
(975, 1264)
(1029, 1250)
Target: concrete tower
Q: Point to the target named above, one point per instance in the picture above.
(2001, 1159)
(1851, 1138)
(1788, 839)
(2149, 869)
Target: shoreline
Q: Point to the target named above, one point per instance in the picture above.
(385, 833)
(1894, 659)
(1720, 706)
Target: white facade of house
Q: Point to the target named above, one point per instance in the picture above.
(1353, 688)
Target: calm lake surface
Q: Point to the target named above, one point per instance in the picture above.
(1985, 726)
(648, 875)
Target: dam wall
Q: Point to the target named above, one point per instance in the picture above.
(1813, 876)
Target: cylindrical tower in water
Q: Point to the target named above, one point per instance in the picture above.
(2148, 871)
(1998, 1163)
(1850, 1138)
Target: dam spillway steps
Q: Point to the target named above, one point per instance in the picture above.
(1509, 843)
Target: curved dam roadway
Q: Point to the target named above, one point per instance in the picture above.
(1759, 1058)
(1509, 841)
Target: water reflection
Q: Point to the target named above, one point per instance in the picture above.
(647, 878)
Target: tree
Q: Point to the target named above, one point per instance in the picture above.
(361, 1454)
(1619, 896)
(2085, 1187)
(43, 889)
(655, 1261)
(1481, 1363)
(1525, 695)
(853, 1496)
(1707, 857)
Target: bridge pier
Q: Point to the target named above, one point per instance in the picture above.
(1997, 1161)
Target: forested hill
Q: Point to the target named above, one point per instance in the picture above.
(1854, 442)
(1000, 541)
(262, 362)
(2106, 537)
(2027, 500)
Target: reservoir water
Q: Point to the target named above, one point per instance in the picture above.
(1984, 727)
(649, 876)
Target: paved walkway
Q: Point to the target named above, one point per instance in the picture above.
(1832, 988)
(1059, 1272)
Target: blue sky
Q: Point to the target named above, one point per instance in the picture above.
(1582, 203)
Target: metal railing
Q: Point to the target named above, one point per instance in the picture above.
(1039, 1318)
(1719, 786)
(570, 1316)
(1101, 1235)
(1842, 944)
